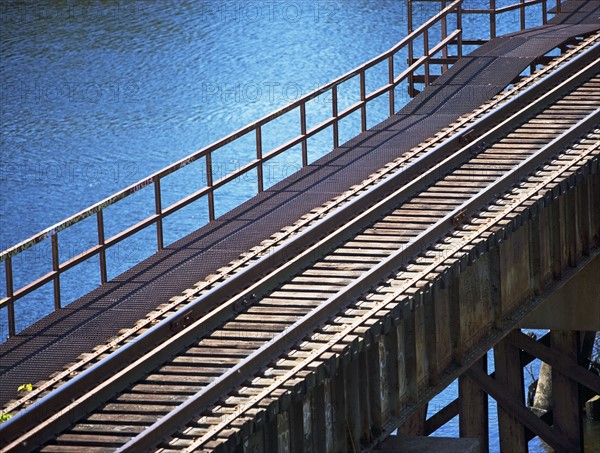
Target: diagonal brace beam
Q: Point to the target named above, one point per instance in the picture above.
(559, 362)
(519, 411)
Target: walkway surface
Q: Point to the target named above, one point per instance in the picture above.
(53, 342)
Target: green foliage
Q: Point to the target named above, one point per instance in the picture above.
(5, 417)
(25, 388)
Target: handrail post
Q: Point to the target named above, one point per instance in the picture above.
(492, 19)
(303, 133)
(334, 109)
(459, 26)
(100, 226)
(56, 269)
(259, 157)
(544, 12)
(363, 106)
(558, 7)
(444, 36)
(522, 14)
(158, 210)
(409, 21)
(392, 100)
(209, 184)
(426, 55)
(10, 294)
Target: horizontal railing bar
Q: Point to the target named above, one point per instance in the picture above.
(141, 225)
(447, 60)
(444, 43)
(83, 256)
(180, 204)
(321, 126)
(515, 6)
(237, 173)
(23, 291)
(501, 9)
(407, 72)
(473, 42)
(282, 148)
(477, 11)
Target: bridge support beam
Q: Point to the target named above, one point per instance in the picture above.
(568, 405)
(473, 408)
(509, 375)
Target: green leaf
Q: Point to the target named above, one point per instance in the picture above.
(25, 388)
(5, 417)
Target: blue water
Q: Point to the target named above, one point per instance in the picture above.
(97, 95)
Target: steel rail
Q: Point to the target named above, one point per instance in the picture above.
(505, 211)
(53, 402)
(234, 377)
(265, 247)
(150, 437)
(374, 312)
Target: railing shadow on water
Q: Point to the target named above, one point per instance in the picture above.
(435, 44)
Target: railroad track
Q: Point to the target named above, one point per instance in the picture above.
(461, 127)
(228, 345)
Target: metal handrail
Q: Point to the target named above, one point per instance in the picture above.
(103, 243)
(492, 11)
(522, 5)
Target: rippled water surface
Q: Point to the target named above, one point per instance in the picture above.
(95, 98)
(97, 95)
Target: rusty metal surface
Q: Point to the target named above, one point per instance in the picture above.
(578, 12)
(101, 314)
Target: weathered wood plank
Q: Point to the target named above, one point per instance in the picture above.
(509, 376)
(568, 404)
(473, 407)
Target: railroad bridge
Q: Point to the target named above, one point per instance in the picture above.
(324, 313)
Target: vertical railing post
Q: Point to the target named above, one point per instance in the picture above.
(56, 269)
(209, 183)
(459, 27)
(158, 210)
(444, 35)
(544, 12)
(303, 133)
(391, 82)
(492, 19)
(9, 294)
(426, 54)
(558, 6)
(334, 109)
(522, 14)
(259, 157)
(363, 97)
(102, 254)
(409, 21)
